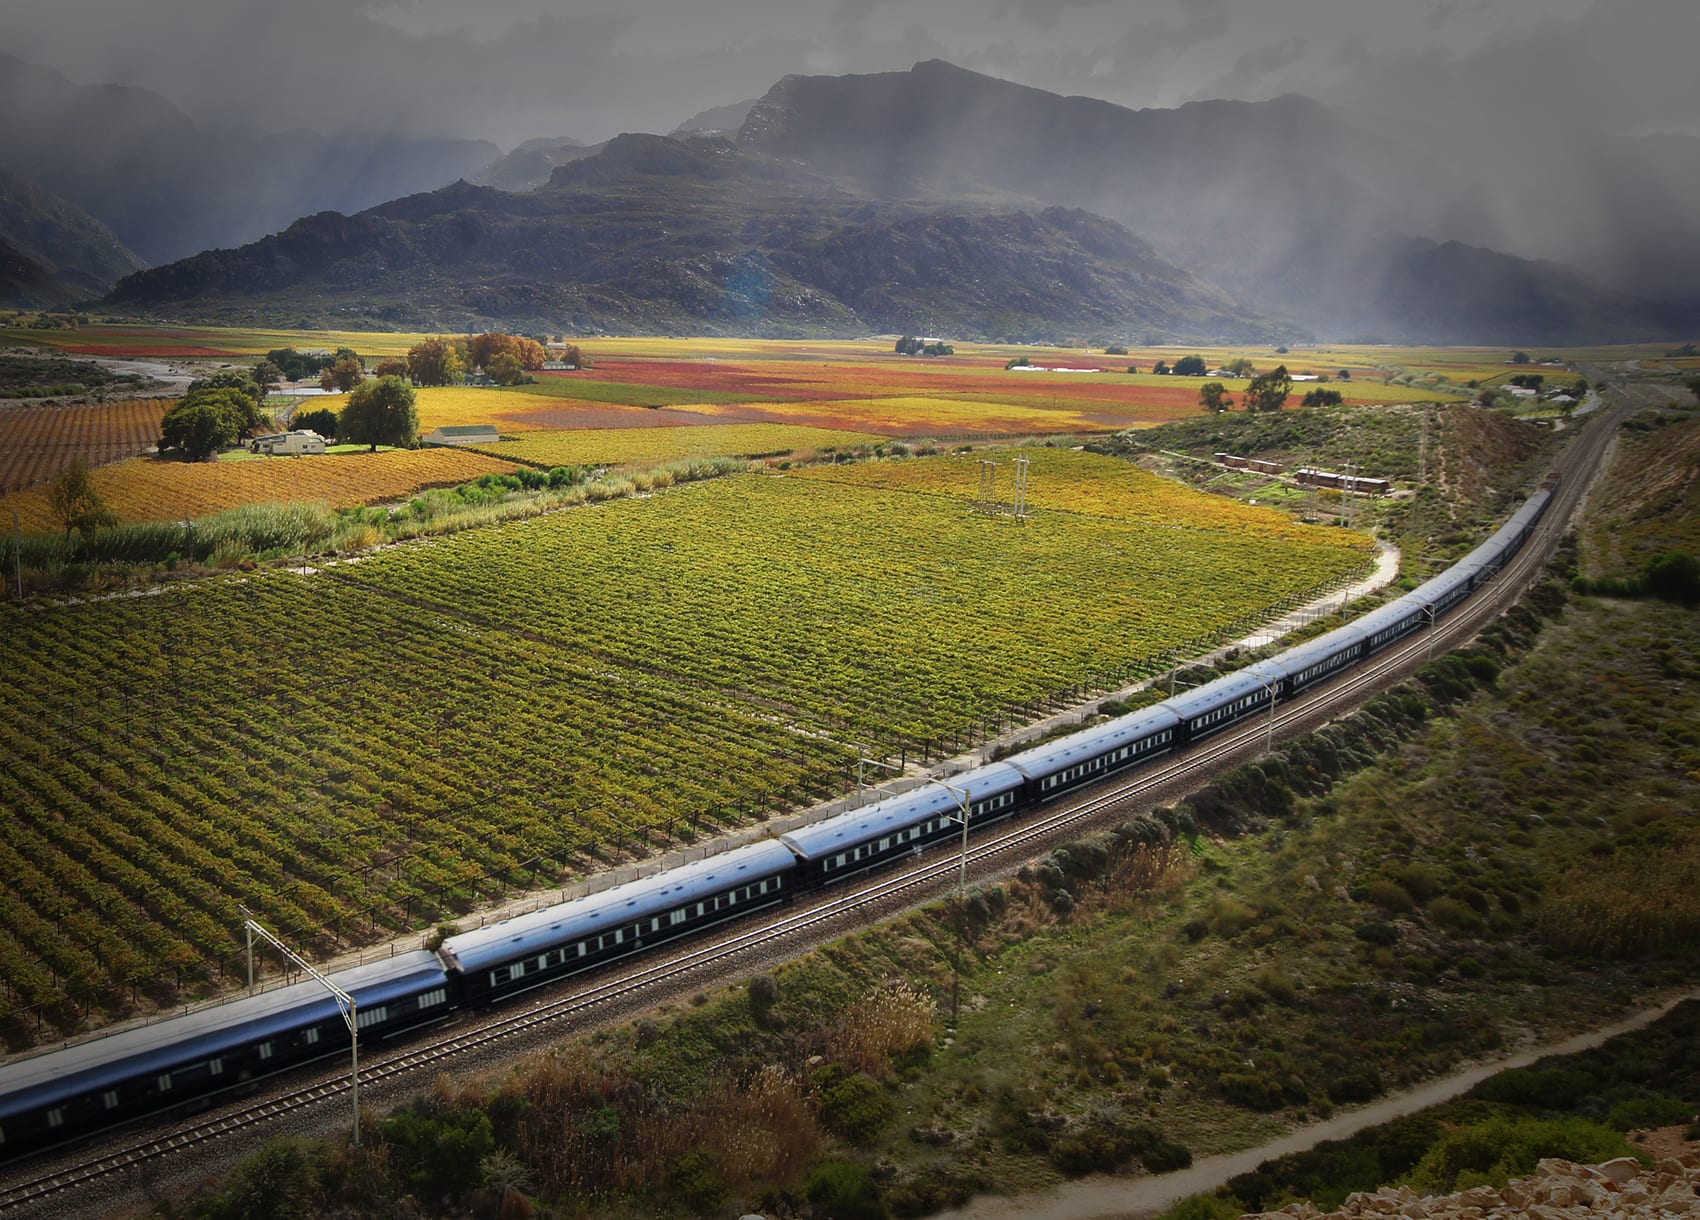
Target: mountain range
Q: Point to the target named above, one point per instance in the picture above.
(936, 200)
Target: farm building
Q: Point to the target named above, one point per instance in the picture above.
(302, 440)
(1345, 482)
(1261, 465)
(462, 434)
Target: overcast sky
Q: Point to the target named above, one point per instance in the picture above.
(507, 70)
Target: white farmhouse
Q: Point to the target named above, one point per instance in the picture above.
(302, 440)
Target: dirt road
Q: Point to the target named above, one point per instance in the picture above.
(1105, 1198)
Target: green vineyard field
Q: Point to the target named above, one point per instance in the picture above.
(367, 749)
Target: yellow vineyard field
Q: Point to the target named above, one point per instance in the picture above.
(143, 489)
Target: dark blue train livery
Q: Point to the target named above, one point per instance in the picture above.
(54, 1096)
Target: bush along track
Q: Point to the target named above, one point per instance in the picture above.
(1479, 853)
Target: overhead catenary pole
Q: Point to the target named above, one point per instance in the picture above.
(346, 1003)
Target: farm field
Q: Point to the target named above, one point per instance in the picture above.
(143, 489)
(38, 440)
(612, 446)
(380, 744)
(1068, 481)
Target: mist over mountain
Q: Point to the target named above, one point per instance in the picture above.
(697, 235)
(169, 187)
(69, 249)
(1297, 211)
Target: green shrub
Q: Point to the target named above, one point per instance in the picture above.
(694, 1179)
(1493, 1152)
(854, 1107)
(843, 1190)
(1653, 1110)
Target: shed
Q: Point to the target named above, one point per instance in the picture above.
(302, 440)
(462, 434)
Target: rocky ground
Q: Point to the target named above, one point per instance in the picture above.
(1558, 1190)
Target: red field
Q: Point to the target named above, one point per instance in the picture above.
(38, 440)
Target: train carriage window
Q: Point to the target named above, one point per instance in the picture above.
(655, 924)
(677, 917)
(619, 936)
(265, 1051)
(732, 898)
(431, 999)
(56, 1116)
(312, 1037)
(163, 1082)
(581, 948)
(110, 1099)
(885, 843)
(371, 1016)
(216, 1066)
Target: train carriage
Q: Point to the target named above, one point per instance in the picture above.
(1317, 660)
(47, 1098)
(1210, 708)
(1060, 766)
(849, 843)
(527, 951)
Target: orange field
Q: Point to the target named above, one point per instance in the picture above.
(144, 489)
(38, 440)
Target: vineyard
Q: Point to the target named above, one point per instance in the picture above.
(1066, 480)
(38, 440)
(144, 489)
(373, 747)
(592, 447)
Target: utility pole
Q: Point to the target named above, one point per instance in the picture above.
(864, 761)
(1021, 465)
(962, 800)
(345, 1003)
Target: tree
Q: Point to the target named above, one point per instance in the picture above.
(505, 369)
(381, 412)
(1115, 349)
(1240, 366)
(266, 375)
(239, 383)
(1323, 398)
(908, 345)
(1519, 357)
(1268, 391)
(1213, 396)
(435, 362)
(297, 365)
(571, 355)
(390, 366)
(323, 421)
(76, 503)
(1191, 366)
(1345, 374)
(346, 373)
(204, 421)
(1161, 368)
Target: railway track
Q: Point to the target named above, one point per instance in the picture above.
(796, 929)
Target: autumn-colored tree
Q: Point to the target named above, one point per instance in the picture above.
(342, 376)
(390, 366)
(482, 349)
(435, 362)
(504, 369)
(76, 503)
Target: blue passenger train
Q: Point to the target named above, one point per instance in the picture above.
(54, 1096)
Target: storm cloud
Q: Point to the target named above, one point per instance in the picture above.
(508, 70)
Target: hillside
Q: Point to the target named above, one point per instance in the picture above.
(25, 283)
(657, 234)
(169, 187)
(1268, 199)
(76, 250)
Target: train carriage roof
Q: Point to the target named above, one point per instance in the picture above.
(1302, 656)
(1227, 688)
(1064, 752)
(846, 830)
(101, 1063)
(569, 921)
